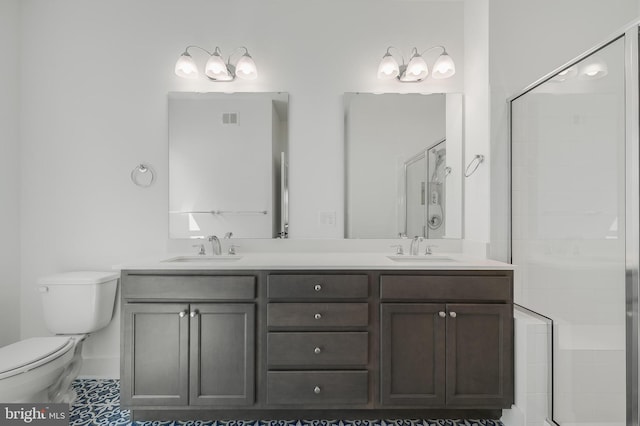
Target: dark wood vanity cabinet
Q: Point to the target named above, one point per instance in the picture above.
(179, 354)
(439, 353)
(281, 343)
(318, 340)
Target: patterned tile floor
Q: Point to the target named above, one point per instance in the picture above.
(98, 403)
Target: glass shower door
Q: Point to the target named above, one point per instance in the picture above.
(568, 236)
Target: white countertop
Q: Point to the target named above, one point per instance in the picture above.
(315, 261)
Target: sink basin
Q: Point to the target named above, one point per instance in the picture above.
(203, 259)
(421, 258)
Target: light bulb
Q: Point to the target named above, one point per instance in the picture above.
(388, 68)
(186, 66)
(417, 69)
(565, 74)
(444, 67)
(216, 69)
(246, 68)
(593, 68)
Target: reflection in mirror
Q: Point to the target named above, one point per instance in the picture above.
(403, 156)
(227, 165)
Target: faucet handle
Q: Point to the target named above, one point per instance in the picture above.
(232, 249)
(202, 251)
(399, 249)
(228, 235)
(428, 251)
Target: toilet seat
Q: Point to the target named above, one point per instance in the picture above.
(28, 354)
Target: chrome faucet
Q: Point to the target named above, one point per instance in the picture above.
(414, 248)
(215, 245)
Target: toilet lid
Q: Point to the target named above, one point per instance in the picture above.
(30, 353)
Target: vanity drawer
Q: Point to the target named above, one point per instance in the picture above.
(181, 287)
(317, 387)
(318, 287)
(448, 288)
(300, 350)
(317, 315)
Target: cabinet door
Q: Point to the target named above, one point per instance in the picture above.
(413, 355)
(155, 360)
(222, 354)
(480, 355)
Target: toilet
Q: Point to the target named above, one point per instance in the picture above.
(41, 369)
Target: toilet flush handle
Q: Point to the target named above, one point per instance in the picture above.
(43, 289)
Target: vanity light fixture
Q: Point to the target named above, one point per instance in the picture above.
(216, 69)
(566, 74)
(416, 69)
(593, 68)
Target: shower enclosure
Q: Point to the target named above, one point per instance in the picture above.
(424, 192)
(574, 230)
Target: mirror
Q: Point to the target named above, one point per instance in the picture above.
(403, 158)
(228, 164)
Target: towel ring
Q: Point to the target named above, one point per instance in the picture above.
(473, 165)
(142, 175)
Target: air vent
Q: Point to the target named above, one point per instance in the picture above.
(230, 118)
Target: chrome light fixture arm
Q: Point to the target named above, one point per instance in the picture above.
(193, 46)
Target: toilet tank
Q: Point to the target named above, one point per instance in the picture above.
(78, 302)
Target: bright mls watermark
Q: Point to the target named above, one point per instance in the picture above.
(34, 414)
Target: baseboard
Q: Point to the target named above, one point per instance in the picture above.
(100, 368)
(512, 417)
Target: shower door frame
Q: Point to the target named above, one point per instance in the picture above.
(424, 153)
(630, 34)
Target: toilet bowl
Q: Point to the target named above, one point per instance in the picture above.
(41, 369)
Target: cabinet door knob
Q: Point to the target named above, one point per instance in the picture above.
(317, 287)
(442, 314)
(318, 316)
(317, 390)
(193, 314)
(182, 314)
(317, 350)
(453, 314)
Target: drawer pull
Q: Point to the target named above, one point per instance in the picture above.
(318, 316)
(453, 314)
(317, 390)
(442, 314)
(317, 350)
(317, 287)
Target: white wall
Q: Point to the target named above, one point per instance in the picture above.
(476, 116)
(527, 41)
(95, 78)
(9, 188)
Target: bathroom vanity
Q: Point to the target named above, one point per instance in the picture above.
(223, 341)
